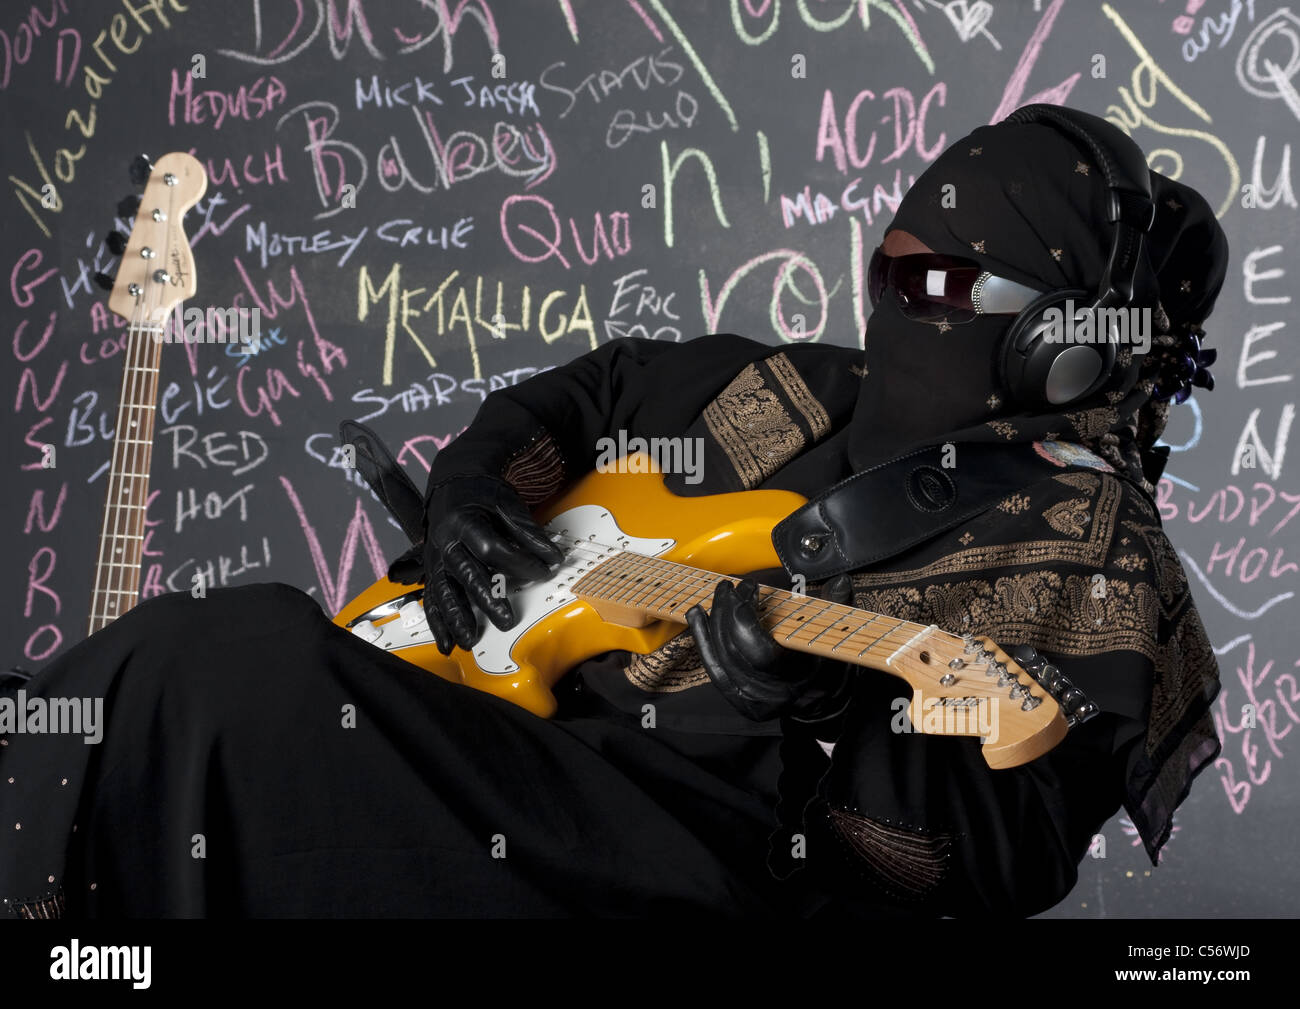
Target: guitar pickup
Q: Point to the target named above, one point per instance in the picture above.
(412, 614)
(367, 631)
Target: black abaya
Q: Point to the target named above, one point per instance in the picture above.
(244, 786)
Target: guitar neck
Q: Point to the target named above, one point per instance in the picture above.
(630, 587)
(121, 537)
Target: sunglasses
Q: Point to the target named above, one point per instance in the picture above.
(931, 287)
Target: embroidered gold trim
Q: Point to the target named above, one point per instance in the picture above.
(1086, 482)
(1090, 424)
(672, 667)
(800, 395)
(1042, 608)
(910, 861)
(1014, 504)
(748, 421)
(1185, 670)
(1069, 518)
(43, 908)
(1171, 579)
(537, 471)
(1090, 552)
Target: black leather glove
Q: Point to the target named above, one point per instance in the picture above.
(761, 679)
(475, 527)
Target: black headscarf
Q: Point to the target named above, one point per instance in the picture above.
(1030, 206)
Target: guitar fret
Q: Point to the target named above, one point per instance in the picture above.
(703, 592)
(629, 584)
(853, 633)
(667, 589)
(923, 632)
(882, 637)
(678, 586)
(651, 602)
(117, 568)
(681, 581)
(784, 619)
(606, 581)
(826, 628)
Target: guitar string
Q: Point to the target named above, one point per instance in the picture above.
(705, 581)
(133, 450)
(104, 587)
(704, 586)
(701, 582)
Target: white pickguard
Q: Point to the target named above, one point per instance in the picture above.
(600, 537)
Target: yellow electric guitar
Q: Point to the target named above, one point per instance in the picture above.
(637, 557)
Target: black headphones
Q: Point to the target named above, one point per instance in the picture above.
(1039, 373)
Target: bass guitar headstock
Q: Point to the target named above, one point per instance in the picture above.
(156, 271)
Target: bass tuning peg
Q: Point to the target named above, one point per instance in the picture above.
(116, 242)
(128, 207)
(140, 168)
(105, 281)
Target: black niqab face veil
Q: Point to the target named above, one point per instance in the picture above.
(1030, 207)
(1026, 203)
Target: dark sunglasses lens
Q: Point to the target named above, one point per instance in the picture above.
(931, 295)
(877, 276)
(934, 288)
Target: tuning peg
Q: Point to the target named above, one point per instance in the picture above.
(128, 207)
(104, 280)
(116, 242)
(1024, 655)
(140, 168)
(1053, 680)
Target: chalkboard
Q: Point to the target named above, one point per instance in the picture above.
(428, 200)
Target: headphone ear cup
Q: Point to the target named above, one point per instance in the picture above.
(1038, 368)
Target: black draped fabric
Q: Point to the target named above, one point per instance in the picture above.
(287, 768)
(316, 775)
(226, 727)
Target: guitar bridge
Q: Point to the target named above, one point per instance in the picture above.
(387, 609)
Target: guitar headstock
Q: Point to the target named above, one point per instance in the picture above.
(1020, 703)
(157, 267)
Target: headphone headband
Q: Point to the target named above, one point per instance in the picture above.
(1130, 207)
(1041, 373)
